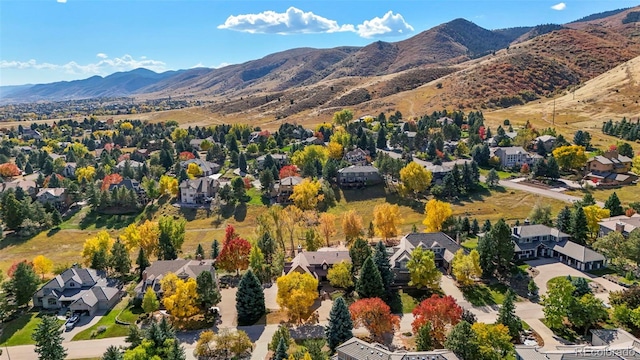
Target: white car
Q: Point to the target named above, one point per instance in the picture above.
(71, 322)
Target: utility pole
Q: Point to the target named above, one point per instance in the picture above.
(553, 117)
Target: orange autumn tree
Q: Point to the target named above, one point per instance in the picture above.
(442, 312)
(289, 170)
(186, 155)
(8, 170)
(110, 179)
(375, 315)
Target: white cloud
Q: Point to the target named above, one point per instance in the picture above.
(293, 21)
(62, 1)
(559, 6)
(102, 67)
(389, 25)
(102, 55)
(221, 65)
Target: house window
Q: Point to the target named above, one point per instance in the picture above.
(72, 284)
(52, 301)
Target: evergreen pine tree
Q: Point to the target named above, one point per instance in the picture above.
(142, 262)
(359, 252)
(475, 227)
(340, 325)
(281, 351)
(424, 341)
(281, 333)
(391, 296)
(134, 336)
(56, 218)
(463, 342)
(48, 338)
(242, 162)
(207, 290)
(199, 251)
(614, 206)
(563, 221)
(486, 226)
(381, 141)
(370, 283)
(507, 315)
(579, 226)
(215, 249)
(487, 254)
(28, 169)
(24, 283)
(113, 353)
(250, 303)
(120, 260)
(100, 260)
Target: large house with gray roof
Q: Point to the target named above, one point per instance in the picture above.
(514, 156)
(317, 263)
(622, 224)
(356, 349)
(440, 243)
(610, 169)
(359, 176)
(208, 168)
(198, 191)
(184, 269)
(534, 241)
(78, 290)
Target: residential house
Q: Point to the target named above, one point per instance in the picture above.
(69, 170)
(359, 176)
(356, 349)
(198, 191)
(438, 172)
(313, 140)
(357, 156)
(547, 141)
(443, 246)
(316, 263)
(131, 184)
(444, 121)
(283, 188)
(28, 186)
(78, 290)
(132, 163)
(279, 160)
(57, 197)
(208, 168)
(184, 269)
(611, 344)
(610, 169)
(495, 140)
(28, 134)
(532, 241)
(514, 156)
(622, 224)
(196, 144)
(143, 153)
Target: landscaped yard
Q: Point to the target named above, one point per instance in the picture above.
(501, 174)
(408, 302)
(626, 194)
(482, 294)
(470, 244)
(18, 331)
(109, 322)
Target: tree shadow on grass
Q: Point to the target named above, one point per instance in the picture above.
(240, 212)
(109, 221)
(478, 295)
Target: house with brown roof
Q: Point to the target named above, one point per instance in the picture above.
(356, 349)
(316, 263)
(28, 186)
(357, 156)
(57, 197)
(184, 269)
(622, 224)
(208, 168)
(78, 290)
(610, 169)
(283, 189)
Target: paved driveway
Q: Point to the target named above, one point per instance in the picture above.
(550, 268)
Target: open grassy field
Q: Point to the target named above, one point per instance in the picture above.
(626, 194)
(18, 331)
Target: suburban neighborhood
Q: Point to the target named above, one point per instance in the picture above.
(360, 238)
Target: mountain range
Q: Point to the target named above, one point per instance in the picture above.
(463, 64)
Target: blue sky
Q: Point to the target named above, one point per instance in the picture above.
(51, 40)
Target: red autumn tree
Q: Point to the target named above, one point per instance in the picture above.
(110, 179)
(375, 315)
(481, 132)
(8, 170)
(234, 255)
(629, 212)
(525, 169)
(47, 180)
(288, 170)
(442, 312)
(613, 147)
(229, 234)
(124, 157)
(185, 155)
(12, 269)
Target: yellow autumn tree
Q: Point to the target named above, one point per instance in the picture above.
(466, 267)
(570, 157)
(126, 126)
(340, 136)
(194, 171)
(169, 284)
(327, 226)
(594, 214)
(178, 134)
(79, 149)
(305, 194)
(296, 294)
(182, 303)
(168, 185)
(415, 178)
(102, 241)
(386, 219)
(309, 154)
(335, 150)
(351, 225)
(437, 213)
(635, 167)
(86, 173)
(42, 265)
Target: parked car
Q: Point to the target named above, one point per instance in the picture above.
(71, 322)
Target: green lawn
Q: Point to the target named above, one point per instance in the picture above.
(481, 294)
(256, 196)
(408, 302)
(601, 272)
(470, 244)
(501, 174)
(18, 331)
(108, 321)
(130, 314)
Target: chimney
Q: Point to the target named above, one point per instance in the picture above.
(199, 257)
(144, 276)
(515, 230)
(299, 248)
(527, 222)
(620, 227)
